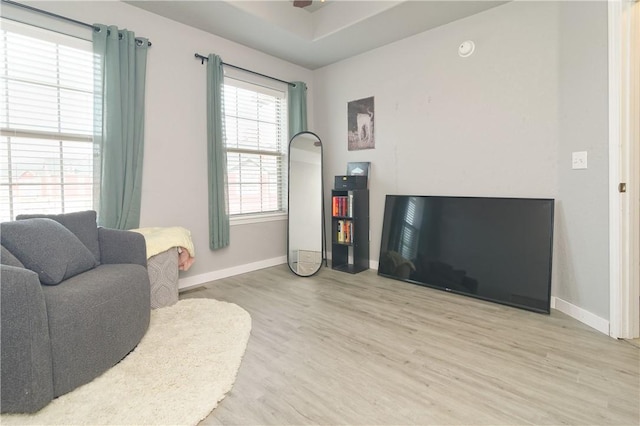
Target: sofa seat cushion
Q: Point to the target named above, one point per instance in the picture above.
(47, 248)
(95, 319)
(82, 224)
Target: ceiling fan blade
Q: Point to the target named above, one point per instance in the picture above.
(302, 3)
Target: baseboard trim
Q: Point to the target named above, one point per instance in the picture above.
(582, 315)
(198, 280)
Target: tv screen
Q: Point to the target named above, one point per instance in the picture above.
(496, 249)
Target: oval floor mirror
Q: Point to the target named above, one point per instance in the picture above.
(306, 245)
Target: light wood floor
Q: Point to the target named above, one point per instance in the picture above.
(362, 349)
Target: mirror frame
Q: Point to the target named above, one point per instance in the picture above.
(323, 220)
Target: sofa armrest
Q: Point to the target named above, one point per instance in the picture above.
(26, 368)
(117, 246)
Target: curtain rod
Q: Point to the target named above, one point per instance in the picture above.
(204, 58)
(54, 15)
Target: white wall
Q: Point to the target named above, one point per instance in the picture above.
(174, 183)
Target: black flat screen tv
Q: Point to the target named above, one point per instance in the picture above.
(496, 249)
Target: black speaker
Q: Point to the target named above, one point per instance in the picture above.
(351, 182)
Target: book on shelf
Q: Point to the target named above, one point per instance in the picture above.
(342, 205)
(347, 231)
(344, 231)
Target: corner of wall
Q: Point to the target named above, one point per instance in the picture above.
(580, 314)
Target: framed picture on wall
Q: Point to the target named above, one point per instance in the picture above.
(361, 124)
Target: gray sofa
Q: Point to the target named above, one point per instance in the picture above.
(74, 302)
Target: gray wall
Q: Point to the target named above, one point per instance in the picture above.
(501, 122)
(446, 125)
(582, 216)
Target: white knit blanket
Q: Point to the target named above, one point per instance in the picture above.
(160, 239)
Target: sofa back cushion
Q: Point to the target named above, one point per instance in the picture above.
(82, 224)
(47, 248)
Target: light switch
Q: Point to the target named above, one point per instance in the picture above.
(579, 160)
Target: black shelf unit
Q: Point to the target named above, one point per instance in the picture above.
(350, 230)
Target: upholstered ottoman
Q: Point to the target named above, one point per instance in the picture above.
(163, 275)
(169, 250)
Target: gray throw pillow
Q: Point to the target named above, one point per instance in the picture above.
(47, 248)
(7, 258)
(82, 224)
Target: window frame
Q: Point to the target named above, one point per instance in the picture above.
(264, 85)
(61, 140)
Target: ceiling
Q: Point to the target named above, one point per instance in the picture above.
(321, 34)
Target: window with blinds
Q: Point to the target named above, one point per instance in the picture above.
(46, 122)
(255, 127)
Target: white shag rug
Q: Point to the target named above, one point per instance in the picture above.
(184, 365)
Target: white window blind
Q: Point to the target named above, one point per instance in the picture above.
(255, 126)
(46, 122)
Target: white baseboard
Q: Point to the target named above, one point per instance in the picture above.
(197, 280)
(584, 316)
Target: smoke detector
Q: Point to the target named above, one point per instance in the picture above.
(466, 48)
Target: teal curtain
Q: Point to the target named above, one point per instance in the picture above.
(121, 62)
(297, 105)
(216, 156)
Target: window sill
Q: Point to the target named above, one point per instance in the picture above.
(256, 218)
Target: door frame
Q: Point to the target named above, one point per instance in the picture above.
(624, 159)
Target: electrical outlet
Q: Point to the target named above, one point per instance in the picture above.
(579, 160)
